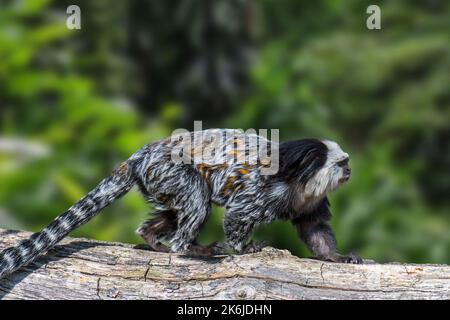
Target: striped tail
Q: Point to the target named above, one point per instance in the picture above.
(111, 188)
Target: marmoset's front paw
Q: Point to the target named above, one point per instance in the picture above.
(353, 258)
(350, 258)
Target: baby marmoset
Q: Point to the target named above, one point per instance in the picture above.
(183, 192)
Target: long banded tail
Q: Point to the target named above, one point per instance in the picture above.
(111, 188)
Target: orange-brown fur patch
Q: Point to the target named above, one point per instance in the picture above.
(204, 170)
(243, 171)
(229, 186)
(123, 169)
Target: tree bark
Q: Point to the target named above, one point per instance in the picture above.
(86, 269)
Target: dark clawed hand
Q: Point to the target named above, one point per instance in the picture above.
(352, 258)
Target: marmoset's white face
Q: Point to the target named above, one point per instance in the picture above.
(334, 173)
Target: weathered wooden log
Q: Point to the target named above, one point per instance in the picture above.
(86, 269)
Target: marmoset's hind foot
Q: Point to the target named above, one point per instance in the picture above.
(159, 247)
(162, 225)
(205, 251)
(217, 248)
(154, 243)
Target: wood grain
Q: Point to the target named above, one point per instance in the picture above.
(85, 269)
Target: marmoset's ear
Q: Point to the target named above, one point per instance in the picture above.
(301, 159)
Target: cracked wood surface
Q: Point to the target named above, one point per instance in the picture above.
(85, 269)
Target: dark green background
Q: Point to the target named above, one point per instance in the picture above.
(75, 103)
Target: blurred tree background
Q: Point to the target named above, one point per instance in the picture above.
(75, 103)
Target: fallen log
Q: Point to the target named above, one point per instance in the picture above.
(86, 269)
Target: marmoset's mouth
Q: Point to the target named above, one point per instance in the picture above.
(344, 178)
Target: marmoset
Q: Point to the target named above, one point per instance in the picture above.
(183, 192)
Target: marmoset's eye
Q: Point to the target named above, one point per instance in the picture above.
(343, 163)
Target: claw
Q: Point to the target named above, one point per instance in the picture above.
(352, 258)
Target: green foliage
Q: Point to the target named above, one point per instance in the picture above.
(138, 69)
(88, 134)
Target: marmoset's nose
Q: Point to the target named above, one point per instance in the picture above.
(347, 171)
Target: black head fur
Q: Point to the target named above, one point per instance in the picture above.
(301, 159)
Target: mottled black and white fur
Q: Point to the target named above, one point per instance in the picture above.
(183, 193)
